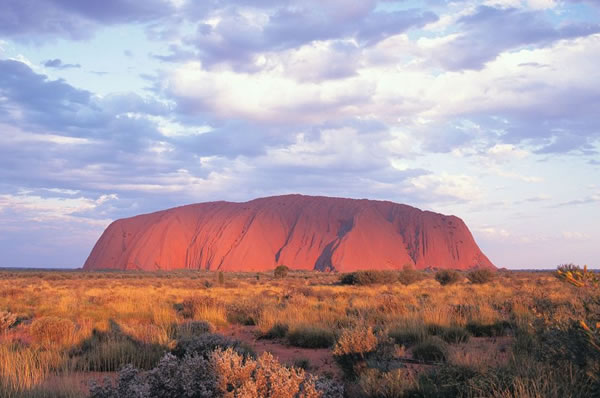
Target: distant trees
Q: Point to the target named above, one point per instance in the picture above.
(281, 271)
(447, 277)
(480, 276)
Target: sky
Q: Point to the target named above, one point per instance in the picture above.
(488, 110)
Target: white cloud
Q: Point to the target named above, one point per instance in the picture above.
(33, 207)
(444, 185)
(576, 236)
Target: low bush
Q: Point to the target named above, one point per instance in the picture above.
(110, 351)
(370, 277)
(408, 336)
(52, 331)
(224, 373)
(455, 334)
(409, 275)
(480, 276)
(359, 348)
(496, 329)
(193, 328)
(447, 277)
(432, 349)
(205, 344)
(281, 271)
(311, 337)
(7, 319)
(277, 331)
(191, 306)
(396, 383)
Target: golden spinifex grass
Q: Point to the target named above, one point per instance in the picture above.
(73, 322)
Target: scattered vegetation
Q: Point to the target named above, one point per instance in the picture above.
(281, 271)
(480, 276)
(448, 277)
(388, 334)
(308, 336)
(365, 278)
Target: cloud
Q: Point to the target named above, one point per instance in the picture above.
(57, 63)
(31, 20)
(239, 36)
(477, 41)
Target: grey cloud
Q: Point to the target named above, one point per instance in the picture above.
(57, 63)
(33, 20)
(236, 39)
(490, 31)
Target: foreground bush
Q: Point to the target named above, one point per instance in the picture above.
(203, 345)
(577, 276)
(359, 348)
(224, 374)
(447, 277)
(372, 277)
(480, 276)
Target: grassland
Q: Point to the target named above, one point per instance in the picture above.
(511, 334)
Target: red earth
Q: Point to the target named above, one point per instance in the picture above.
(301, 232)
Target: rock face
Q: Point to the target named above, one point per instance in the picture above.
(302, 232)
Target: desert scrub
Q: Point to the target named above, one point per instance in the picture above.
(307, 336)
(353, 347)
(396, 383)
(432, 349)
(224, 373)
(372, 277)
(408, 335)
(447, 277)
(193, 328)
(203, 345)
(277, 331)
(281, 271)
(455, 334)
(108, 351)
(496, 329)
(7, 320)
(480, 276)
(409, 275)
(52, 331)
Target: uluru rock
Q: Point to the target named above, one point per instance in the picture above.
(302, 232)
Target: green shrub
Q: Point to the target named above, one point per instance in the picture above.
(455, 334)
(311, 337)
(500, 328)
(371, 277)
(447, 277)
(277, 331)
(480, 276)
(281, 271)
(205, 344)
(432, 349)
(191, 306)
(408, 336)
(396, 383)
(409, 275)
(302, 363)
(193, 328)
